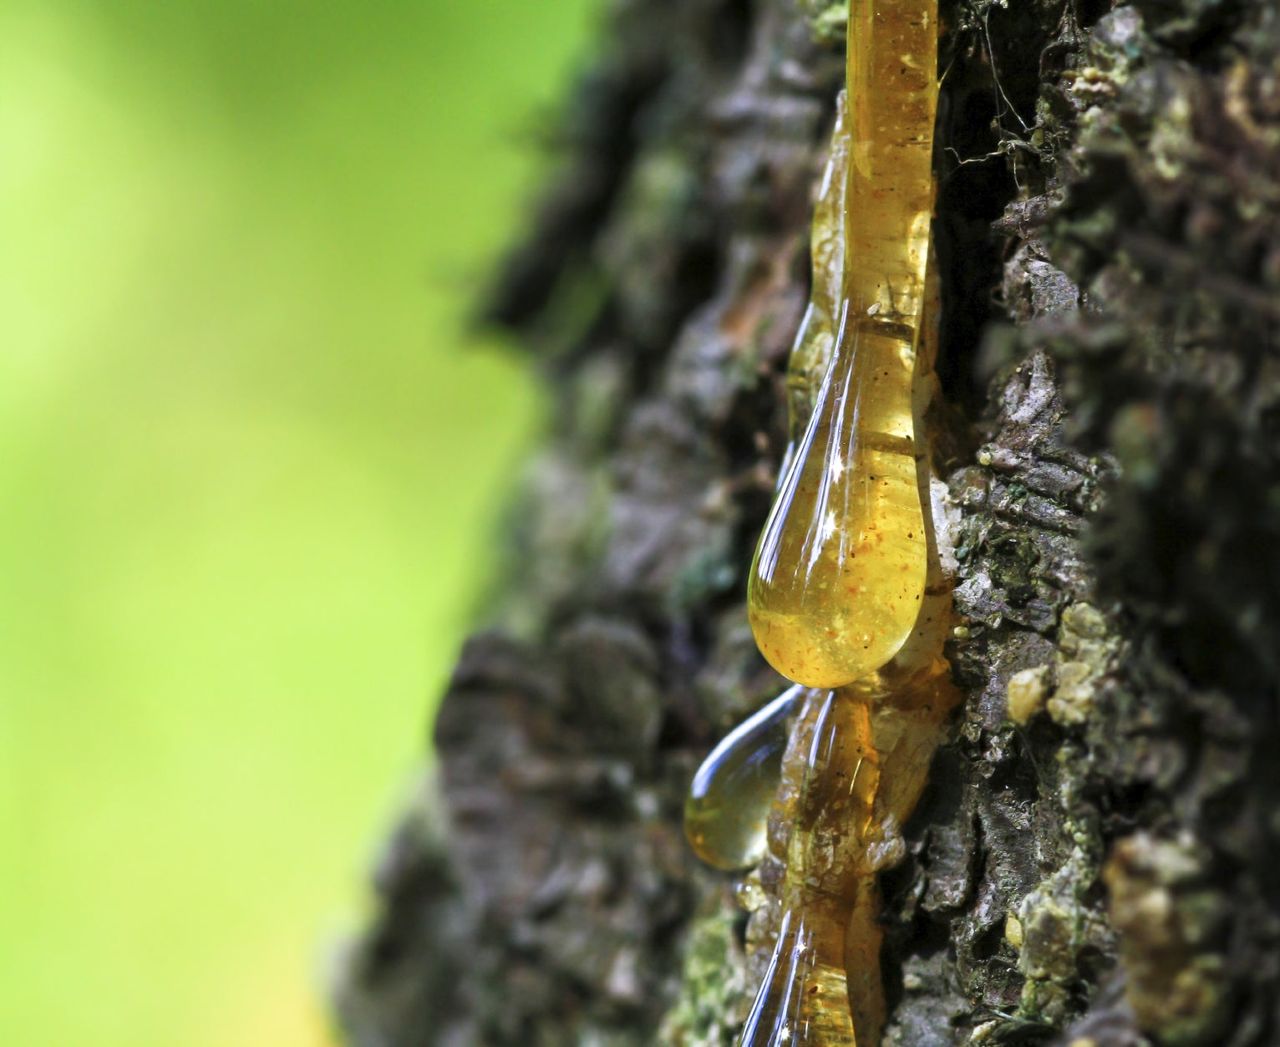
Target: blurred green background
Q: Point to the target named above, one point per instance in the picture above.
(249, 470)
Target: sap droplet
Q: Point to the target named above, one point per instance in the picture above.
(840, 569)
(839, 573)
(728, 803)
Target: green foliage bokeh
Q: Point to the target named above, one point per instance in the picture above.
(249, 467)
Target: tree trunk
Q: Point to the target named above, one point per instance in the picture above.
(1097, 858)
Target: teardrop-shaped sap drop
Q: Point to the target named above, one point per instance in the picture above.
(728, 803)
(840, 570)
(839, 573)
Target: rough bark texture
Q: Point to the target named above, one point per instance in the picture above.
(1099, 868)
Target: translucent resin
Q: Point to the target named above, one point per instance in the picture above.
(815, 340)
(840, 569)
(729, 800)
(853, 773)
(804, 996)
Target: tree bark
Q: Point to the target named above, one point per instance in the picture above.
(1096, 859)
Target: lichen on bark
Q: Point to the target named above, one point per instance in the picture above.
(1094, 859)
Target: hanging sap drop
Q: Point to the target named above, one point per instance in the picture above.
(840, 569)
(729, 800)
(839, 573)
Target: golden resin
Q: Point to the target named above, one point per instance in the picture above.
(858, 761)
(815, 340)
(839, 573)
(848, 596)
(729, 800)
